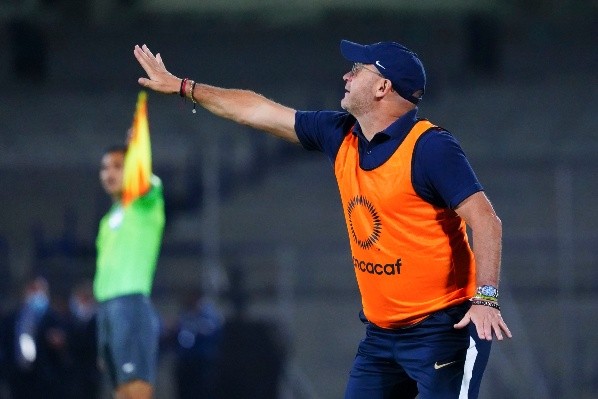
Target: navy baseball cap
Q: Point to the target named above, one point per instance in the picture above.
(394, 61)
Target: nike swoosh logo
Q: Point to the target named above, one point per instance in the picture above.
(380, 65)
(441, 365)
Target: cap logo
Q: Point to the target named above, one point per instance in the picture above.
(380, 65)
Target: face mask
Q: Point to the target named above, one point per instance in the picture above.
(38, 302)
(81, 311)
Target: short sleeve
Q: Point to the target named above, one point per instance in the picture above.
(323, 131)
(442, 174)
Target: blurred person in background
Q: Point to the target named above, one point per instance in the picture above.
(196, 339)
(253, 350)
(66, 345)
(86, 376)
(19, 336)
(54, 351)
(128, 245)
(429, 299)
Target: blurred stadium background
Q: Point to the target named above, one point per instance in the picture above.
(514, 80)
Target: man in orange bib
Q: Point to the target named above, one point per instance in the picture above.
(430, 301)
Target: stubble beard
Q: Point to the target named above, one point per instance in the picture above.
(356, 107)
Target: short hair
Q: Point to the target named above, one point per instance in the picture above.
(122, 148)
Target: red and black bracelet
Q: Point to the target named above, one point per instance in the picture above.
(182, 90)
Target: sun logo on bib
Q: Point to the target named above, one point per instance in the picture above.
(364, 222)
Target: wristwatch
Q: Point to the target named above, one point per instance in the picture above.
(488, 291)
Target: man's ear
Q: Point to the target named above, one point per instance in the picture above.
(384, 88)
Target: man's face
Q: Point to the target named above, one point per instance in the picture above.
(111, 173)
(359, 89)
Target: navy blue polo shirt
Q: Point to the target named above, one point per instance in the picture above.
(441, 173)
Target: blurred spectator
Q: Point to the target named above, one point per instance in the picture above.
(19, 341)
(55, 360)
(86, 375)
(49, 347)
(253, 351)
(196, 340)
(67, 346)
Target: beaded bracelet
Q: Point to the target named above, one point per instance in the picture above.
(193, 98)
(492, 304)
(183, 91)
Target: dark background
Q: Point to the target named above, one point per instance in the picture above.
(514, 81)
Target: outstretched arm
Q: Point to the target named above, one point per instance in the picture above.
(486, 229)
(241, 106)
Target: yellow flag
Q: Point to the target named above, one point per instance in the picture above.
(138, 160)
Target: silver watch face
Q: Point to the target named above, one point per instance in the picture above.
(488, 290)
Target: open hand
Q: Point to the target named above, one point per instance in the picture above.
(159, 79)
(487, 320)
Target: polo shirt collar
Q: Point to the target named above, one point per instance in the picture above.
(396, 130)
